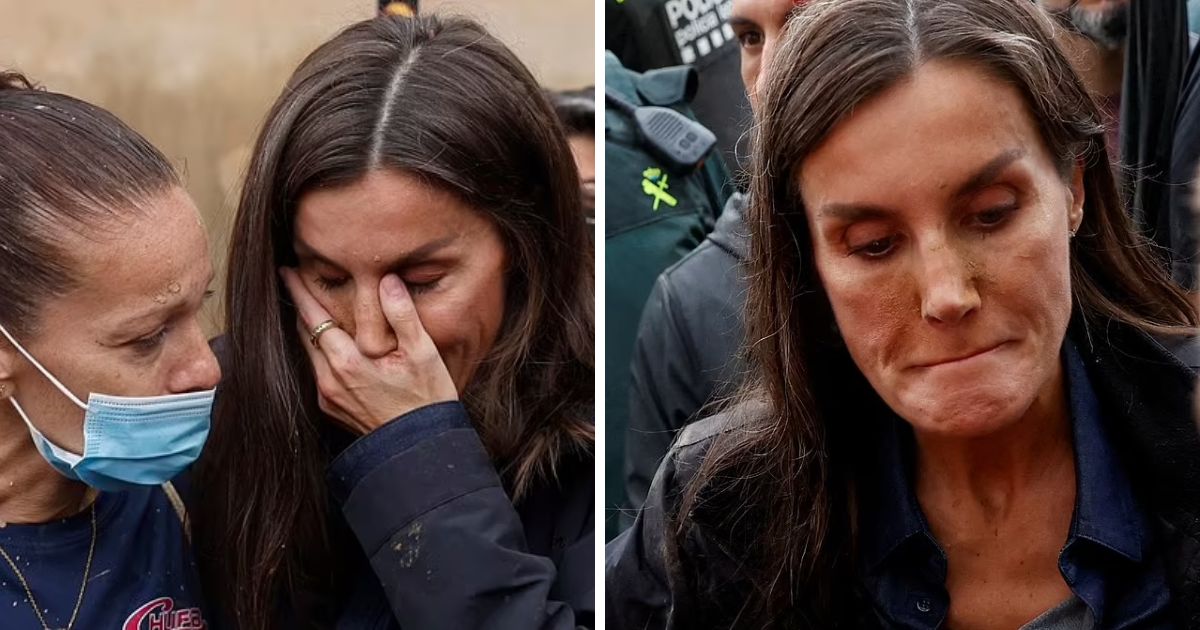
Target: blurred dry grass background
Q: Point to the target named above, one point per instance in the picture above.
(196, 77)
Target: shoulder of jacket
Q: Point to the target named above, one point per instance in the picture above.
(665, 87)
(1186, 348)
(699, 435)
(674, 85)
(696, 262)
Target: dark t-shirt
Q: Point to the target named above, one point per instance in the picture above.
(142, 575)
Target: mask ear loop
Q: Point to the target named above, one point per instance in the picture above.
(67, 456)
(62, 388)
(63, 454)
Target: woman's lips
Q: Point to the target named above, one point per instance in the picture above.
(960, 358)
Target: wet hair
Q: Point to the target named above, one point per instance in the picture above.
(442, 100)
(777, 492)
(67, 169)
(576, 109)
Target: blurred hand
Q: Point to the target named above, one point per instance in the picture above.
(361, 393)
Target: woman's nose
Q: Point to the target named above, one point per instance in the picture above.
(200, 368)
(373, 333)
(948, 288)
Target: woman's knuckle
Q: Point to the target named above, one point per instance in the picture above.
(327, 391)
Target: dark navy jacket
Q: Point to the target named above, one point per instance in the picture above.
(446, 546)
(442, 544)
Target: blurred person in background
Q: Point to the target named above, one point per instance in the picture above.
(576, 110)
(650, 34)
(654, 214)
(1133, 56)
(404, 434)
(690, 332)
(1185, 159)
(106, 377)
(962, 410)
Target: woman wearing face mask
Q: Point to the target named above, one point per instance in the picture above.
(404, 432)
(106, 379)
(962, 411)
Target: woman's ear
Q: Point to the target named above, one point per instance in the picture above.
(9, 359)
(1076, 197)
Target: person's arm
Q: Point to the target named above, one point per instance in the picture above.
(637, 586)
(425, 502)
(643, 588)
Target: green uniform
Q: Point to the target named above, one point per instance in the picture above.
(652, 217)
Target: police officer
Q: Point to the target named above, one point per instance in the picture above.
(688, 340)
(653, 215)
(648, 34)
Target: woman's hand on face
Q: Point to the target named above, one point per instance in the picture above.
(363, 393)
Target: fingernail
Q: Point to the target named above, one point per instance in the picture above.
(392, 285)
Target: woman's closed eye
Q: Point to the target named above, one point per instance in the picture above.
(330, 284)
(149, 344)
(416, 285)
(872, 246)
(993, 218)
(421, 285)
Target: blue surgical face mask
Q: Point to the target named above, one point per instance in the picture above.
(127, 442)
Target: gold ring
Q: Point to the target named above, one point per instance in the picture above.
(320, 329)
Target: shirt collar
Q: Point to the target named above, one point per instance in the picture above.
(891, 515)
(1106, 512)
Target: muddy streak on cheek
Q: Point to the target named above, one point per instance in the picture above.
(982, 274)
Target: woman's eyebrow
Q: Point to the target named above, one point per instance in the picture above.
(738, 21)
(985, 175)
(424, 251)
(981, 178)
(304, 250)
(853, 212)
(166, 304)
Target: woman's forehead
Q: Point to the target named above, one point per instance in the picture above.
(928, 131)
(156, 261)
(383, 215)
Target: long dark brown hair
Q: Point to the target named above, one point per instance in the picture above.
(444, 100)
(776, 492)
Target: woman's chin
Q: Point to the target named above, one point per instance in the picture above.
(964, 415)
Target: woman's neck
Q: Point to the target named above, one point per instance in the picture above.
(30, 490)
(1000, 507)
(962, 482)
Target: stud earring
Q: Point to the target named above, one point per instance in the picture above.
(3, 390)
(1071, 233)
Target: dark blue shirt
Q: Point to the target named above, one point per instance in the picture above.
(1109, 560)
(142, 575)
